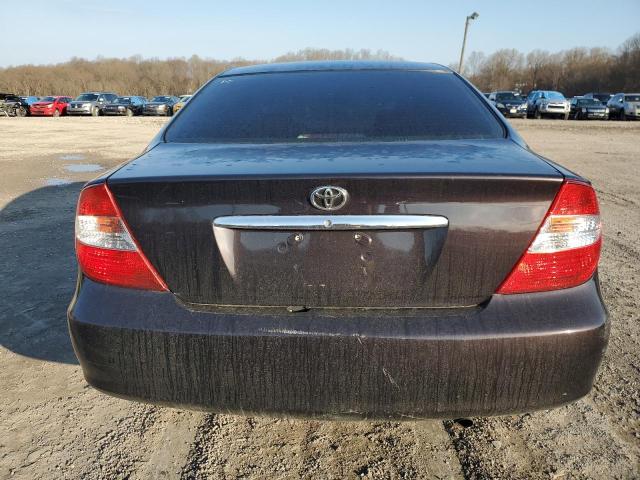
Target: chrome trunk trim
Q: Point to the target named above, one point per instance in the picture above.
(331, 222)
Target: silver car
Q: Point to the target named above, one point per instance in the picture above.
(90, 103)
(624, 106)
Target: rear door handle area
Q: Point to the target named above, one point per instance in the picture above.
(331, 222)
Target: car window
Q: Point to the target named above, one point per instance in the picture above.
(553, 96)
(87, 97)
(507, 96)
(589, 101)
(335, 106)
(632, 98)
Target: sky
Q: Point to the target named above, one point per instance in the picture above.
(51, 31)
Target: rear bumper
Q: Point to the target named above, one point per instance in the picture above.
(518, 353)
(155, 112)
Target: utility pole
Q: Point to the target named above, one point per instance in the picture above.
(473, 16)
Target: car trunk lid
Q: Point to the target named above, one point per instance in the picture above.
(492, 194)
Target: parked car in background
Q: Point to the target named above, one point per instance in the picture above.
(28, 101)
(547, 103)
(50, 106)
(624, 106)
(161, 105)
(16, 106)
(262, 255)
(90, 103)
(128, 106)
(603, 97)
(183, 99)
(12, 105)
(510, 103)
(588, 108)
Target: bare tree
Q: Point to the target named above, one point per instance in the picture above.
(152, 76)
(575, 71)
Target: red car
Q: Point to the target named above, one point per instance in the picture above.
(50, 106)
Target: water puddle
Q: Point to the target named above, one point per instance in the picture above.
(56, 182)
(72, 157)
(84, 167)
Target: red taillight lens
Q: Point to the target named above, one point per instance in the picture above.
(566, 250)
(106, 250)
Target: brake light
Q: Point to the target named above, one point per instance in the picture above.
(566, 249)
(105, 248)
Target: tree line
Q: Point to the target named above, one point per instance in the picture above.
(573, 72)
(147, 77)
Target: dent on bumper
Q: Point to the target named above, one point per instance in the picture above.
(518, 353)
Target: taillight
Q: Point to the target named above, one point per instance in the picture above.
(566, 249)
(106, 250)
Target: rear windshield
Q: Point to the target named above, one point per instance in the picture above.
(161, 99)
(632, 98)
(47, 99)
(334, 106)
(123, 100)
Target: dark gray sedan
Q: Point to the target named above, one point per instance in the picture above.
(588, 109)
(160, 105)
(128, 106)
(340, 239)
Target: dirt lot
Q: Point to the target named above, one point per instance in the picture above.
(52, 425)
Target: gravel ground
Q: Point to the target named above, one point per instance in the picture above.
(52, 425)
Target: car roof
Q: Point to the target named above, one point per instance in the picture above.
(336, 65)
